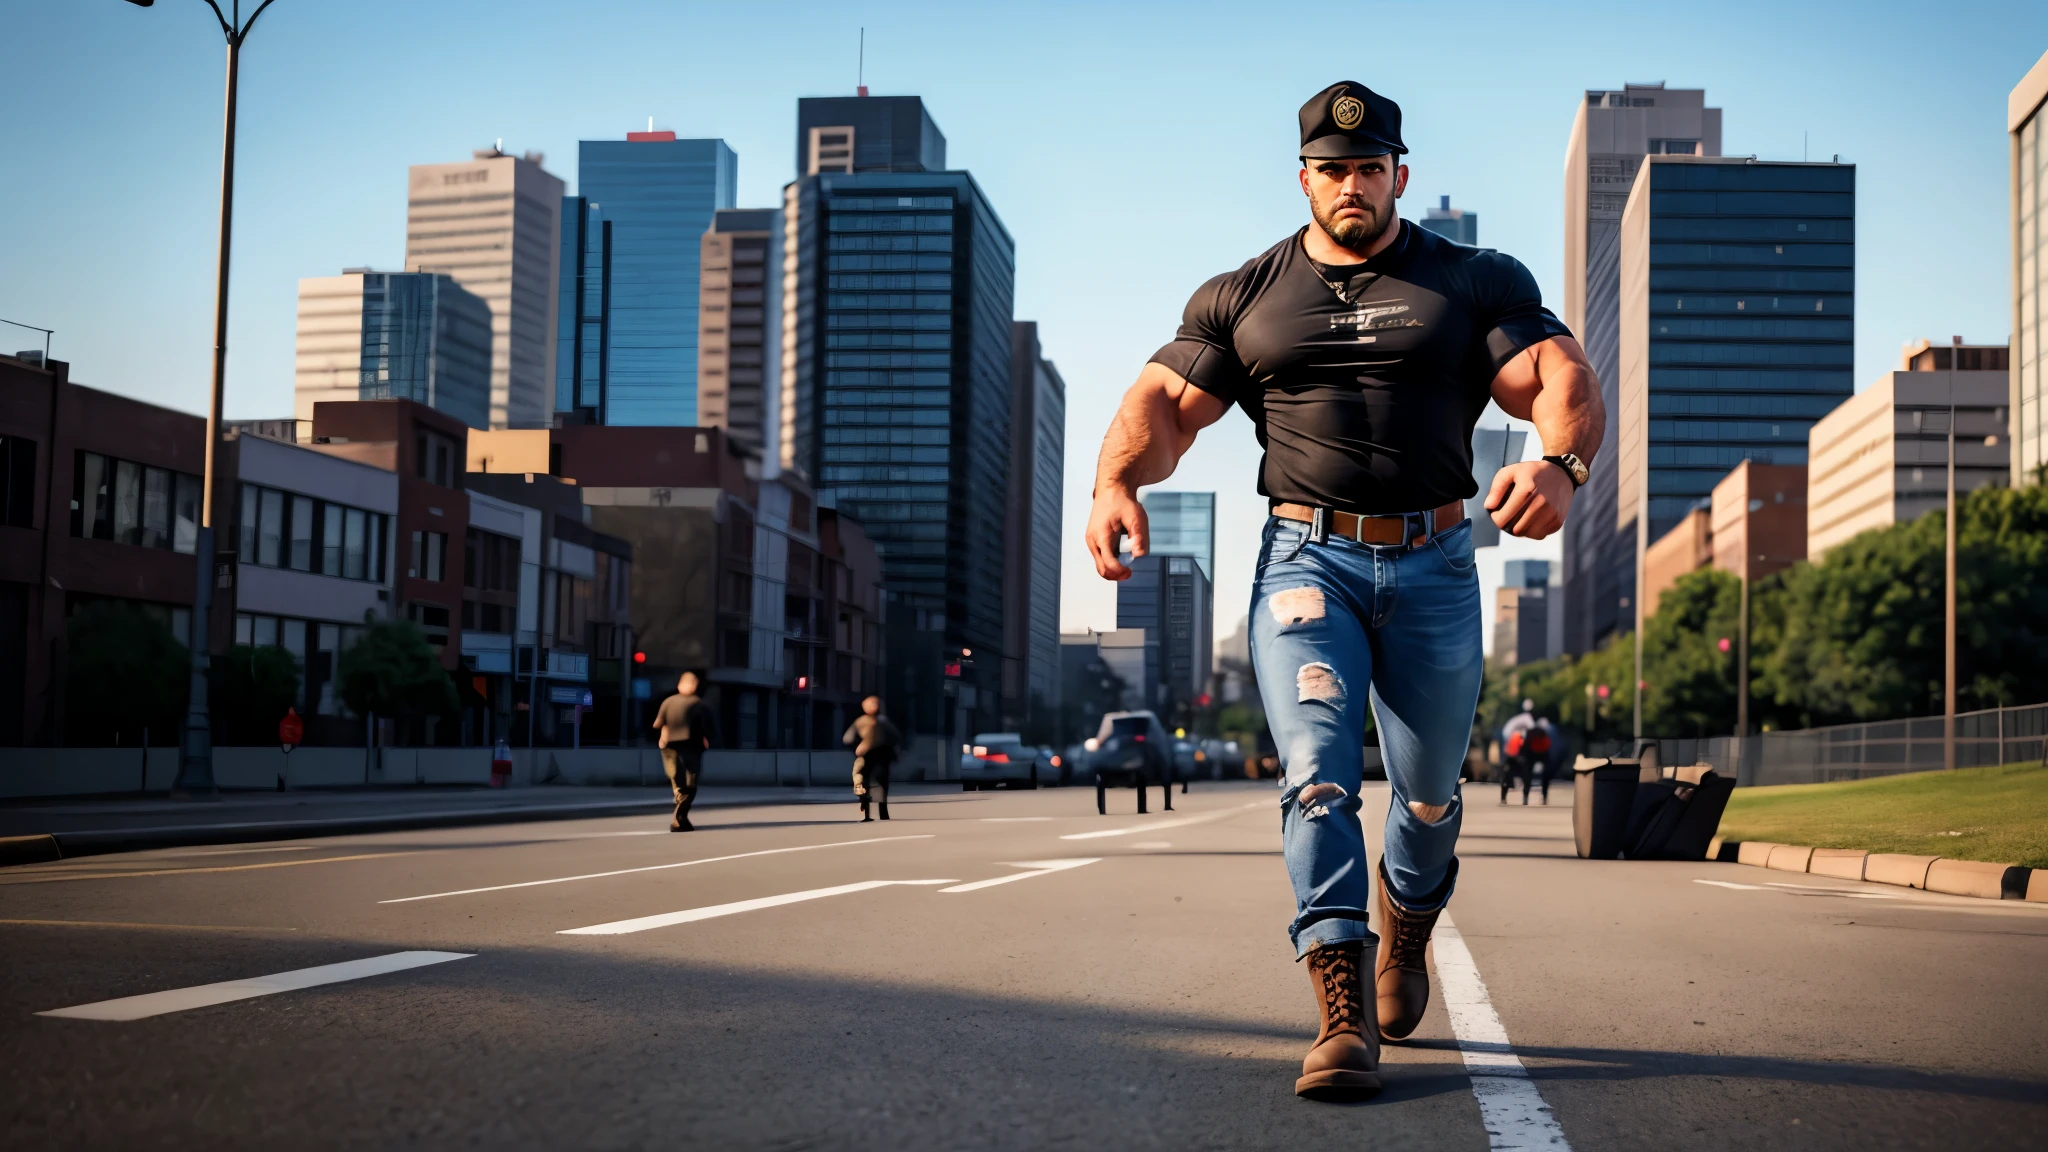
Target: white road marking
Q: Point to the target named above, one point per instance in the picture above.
(1153, 844)
(1509, 1105)
(1013, 819)
(1800, 890)
(1039, 868)
(713, 911)
(181, 999)
(1734, 885)
(655, 867)
(1162, 825)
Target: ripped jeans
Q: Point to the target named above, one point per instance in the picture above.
(1334, 626)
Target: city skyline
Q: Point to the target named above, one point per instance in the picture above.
(143, 331)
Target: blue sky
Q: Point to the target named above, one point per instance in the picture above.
(1132, 149)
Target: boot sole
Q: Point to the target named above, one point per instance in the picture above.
(1338, 1086)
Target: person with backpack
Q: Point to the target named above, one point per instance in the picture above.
(1524, 744)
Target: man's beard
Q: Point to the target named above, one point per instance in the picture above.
(1352, 232)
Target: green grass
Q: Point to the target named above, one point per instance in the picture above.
(1994, 814)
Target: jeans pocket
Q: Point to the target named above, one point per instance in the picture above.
(1456, 548)
(1284, 541)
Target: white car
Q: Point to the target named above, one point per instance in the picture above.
(999, 758)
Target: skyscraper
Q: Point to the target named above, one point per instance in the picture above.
(2027, 124)
(494, 223)
(1611, 133)
(1183, 523)
(1170, 598)
(896, 386)
(1454, 223)
(739, 324)
(393, 336)
(1031, 590)
(1737, 327)
(659, 194)
(583, 312)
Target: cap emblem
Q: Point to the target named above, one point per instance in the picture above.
(1348, 112)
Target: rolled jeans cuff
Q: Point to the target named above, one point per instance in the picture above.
(1332, 930)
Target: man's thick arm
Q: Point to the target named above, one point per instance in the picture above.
(1154, 426)
(1551, 385)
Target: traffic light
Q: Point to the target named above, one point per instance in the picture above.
(639, 657)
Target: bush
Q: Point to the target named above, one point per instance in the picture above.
(251, 688)
(126, 672)
(393, 672)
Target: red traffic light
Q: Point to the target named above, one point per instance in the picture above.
(639, 657)
(953, 669)
(803, 682)
(1202, 700)
(1723, 644)
(1603, 691)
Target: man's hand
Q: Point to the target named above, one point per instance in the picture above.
(1116, 514)
(1530, 499)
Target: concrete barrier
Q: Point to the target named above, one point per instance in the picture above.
(1840, 863)
(2037, 885)
(1894, 868)
(1967, 878)
(1754, 852)
(1789, 858)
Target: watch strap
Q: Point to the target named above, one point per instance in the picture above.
(1566, 461)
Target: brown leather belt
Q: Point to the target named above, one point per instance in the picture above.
(1411, 528)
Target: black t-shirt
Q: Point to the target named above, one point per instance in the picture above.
(1366, 402)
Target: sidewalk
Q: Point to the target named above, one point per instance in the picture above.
(47, 830)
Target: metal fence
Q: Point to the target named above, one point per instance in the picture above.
(1856, 751)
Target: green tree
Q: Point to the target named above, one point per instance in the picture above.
(1860, 636)
(125, 673)
(392, 671)
(250, 690)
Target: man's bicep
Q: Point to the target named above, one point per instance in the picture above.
(1519, 381)
(1194, 407)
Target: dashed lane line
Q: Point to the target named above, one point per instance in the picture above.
(1038, 868)
(1162, 825)
(1512, 1110)
(656, 867)
(60, 877)
(205, 995)
(713, 911)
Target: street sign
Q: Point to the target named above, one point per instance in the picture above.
(559, 695)
(291, 730)
(587, 699)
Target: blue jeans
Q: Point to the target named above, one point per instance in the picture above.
(1332, 624)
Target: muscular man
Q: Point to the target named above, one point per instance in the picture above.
(1364, 350)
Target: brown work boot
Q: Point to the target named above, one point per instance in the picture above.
(1344, 1063)
(1401, 979)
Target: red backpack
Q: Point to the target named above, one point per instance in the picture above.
(1538, 743)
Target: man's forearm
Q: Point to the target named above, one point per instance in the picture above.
(1568, 412)
(1144, 442)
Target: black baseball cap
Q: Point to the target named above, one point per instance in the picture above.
(1348, 120)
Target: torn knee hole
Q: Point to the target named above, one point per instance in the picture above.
(1315, 799)
(1296, 605)
(1429, 813)
(1317, 681)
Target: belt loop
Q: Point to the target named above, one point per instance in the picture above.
(1319, 526)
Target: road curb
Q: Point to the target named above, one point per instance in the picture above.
(40, 848)
(1986, 881)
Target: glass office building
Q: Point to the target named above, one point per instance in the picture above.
(427, 339)
(583, 359)
(1737, 324)
(659, 194)
(1453, 223)
(896, 383)
(1183, 523)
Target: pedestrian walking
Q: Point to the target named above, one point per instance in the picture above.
(1525, 747)
(875, 742)
(687, 728)
(1364, 350)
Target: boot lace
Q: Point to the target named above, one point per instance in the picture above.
(1337, 969)
(1410, 935)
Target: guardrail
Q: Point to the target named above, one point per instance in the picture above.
(1875, 748)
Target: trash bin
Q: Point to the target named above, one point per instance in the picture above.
(1603, 792)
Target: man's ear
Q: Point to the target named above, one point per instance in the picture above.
(1302, 176)
(1400, 180)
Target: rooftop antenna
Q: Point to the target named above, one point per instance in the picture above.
(861, 72)
(650, 123)
(499, 146)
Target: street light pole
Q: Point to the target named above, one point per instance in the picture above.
(1948, 693)
(195, 761)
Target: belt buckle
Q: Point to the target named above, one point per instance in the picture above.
(1423, 523)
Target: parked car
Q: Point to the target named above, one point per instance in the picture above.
(1131, 749)
(1219, 760)
(1000, 758)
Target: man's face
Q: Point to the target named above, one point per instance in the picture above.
(872, 705)
(687, 684)
(1353, 200)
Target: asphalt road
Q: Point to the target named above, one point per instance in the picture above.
(1144, 998)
